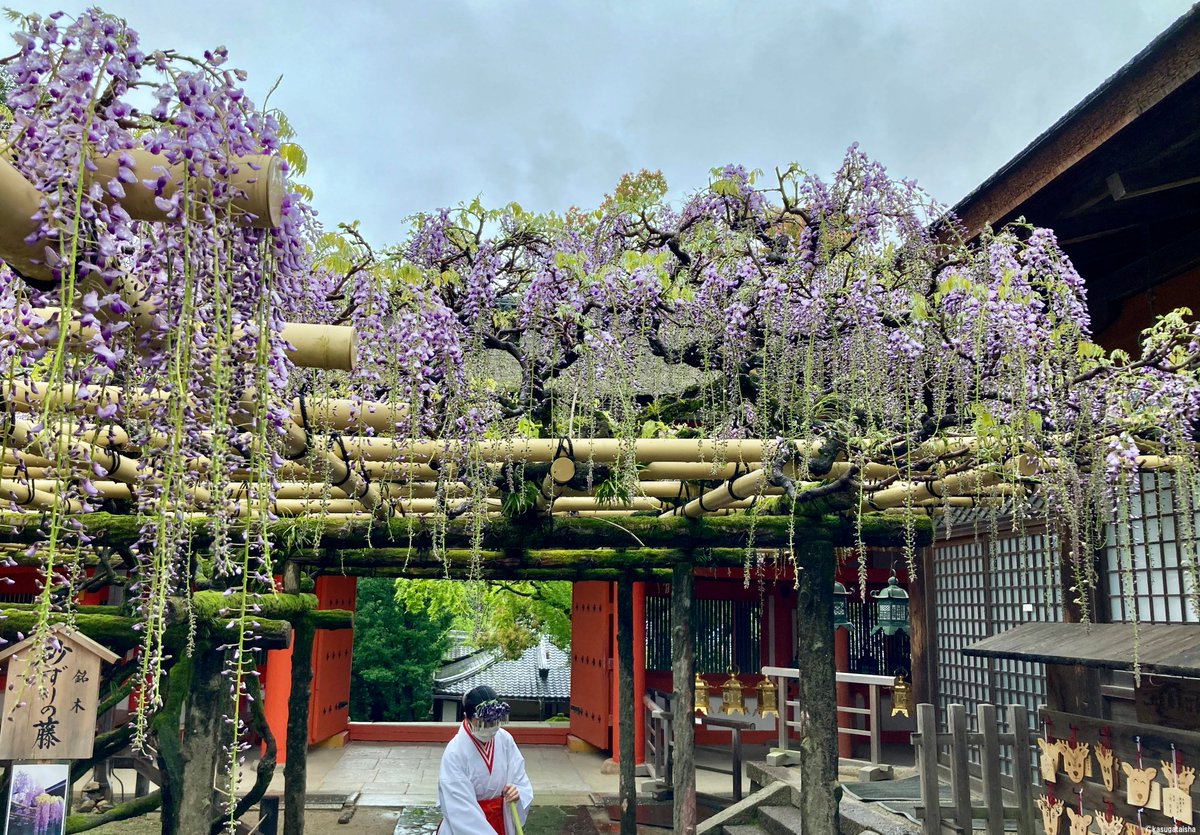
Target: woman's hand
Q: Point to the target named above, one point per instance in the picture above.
(511, 795)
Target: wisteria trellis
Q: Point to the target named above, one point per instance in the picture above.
(846, 314)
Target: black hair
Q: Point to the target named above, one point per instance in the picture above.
(477, 696)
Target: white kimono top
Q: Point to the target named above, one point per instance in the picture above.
(471, 772)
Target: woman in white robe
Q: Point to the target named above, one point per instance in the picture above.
(482, 772)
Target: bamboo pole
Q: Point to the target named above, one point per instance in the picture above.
(597, 450)
(297, 444)
(256, 185)
(24, 494)
(322, 413)
(308, 345)
(19, 202)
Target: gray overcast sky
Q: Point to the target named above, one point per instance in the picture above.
(408, 106)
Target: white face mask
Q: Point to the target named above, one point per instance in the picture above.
(485, 734)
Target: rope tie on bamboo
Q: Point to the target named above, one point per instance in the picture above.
(929, 485)
(737, 471)
(303, 425)
(336, 438)
(700, 499)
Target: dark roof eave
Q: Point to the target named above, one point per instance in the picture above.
(1149, 77)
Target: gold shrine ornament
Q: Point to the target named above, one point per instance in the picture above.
(768, 698)
(732, 698)
(700, 703)
(901, 696)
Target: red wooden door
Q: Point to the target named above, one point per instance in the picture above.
(329, 707)
(591, 662)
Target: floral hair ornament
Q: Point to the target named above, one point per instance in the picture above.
(492, 710)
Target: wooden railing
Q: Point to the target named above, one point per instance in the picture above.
(963, 812)
(791, 717)
(659, 741)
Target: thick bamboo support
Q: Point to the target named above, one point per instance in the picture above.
(309, 346)
(19, 202)
(298, 445)
(104, 489)
(737, 490)
(24, 494)
(569, 504)
(256, 185)
(597, 450)
(968, 482)
(322, 413)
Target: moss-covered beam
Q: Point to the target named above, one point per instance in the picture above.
(122, 811)
(296, 537)
(528, 574)
(113, 631)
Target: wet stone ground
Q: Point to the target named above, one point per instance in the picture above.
(543, 820)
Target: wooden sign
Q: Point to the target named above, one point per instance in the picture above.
(1171, 702)
(52, 716)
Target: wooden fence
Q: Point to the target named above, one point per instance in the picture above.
(963, 810)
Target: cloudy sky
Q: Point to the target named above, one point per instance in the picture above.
(407, 106)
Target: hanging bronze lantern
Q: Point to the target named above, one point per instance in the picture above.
(732, 700)
(701, 700)
(901, 696)
(768, 698)
(891, 608)
(841, 608)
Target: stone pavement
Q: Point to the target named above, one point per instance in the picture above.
(401, 774)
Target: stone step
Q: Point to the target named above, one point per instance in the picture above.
(743, 829)
(780, 820)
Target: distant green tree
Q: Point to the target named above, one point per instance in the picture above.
(505, 616)
(396, 652)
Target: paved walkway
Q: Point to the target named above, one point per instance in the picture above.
(401, 775)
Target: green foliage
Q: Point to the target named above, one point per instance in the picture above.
(397, 650)
(507, 617)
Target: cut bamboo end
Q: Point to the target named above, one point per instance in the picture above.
(256, 184)
(322, 346)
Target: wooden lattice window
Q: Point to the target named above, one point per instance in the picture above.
(1156, 581)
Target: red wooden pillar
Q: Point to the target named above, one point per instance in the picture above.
(276, 678)
(639, 671)
(841, 658)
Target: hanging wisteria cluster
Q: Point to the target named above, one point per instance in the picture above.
(843, 321)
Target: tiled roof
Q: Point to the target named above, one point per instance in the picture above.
(518, 679)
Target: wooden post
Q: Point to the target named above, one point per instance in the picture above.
(927, 763)
(920, 622)
(1018, 723)
(990, 761)
(820, 791)
(295, 770)
(625, 701)
(683, 674)
(960, 785)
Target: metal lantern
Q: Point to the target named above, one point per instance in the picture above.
(701, 700)
(841, 609)
(891, 608)
(901, 696)
(732, 700)
(768, 698)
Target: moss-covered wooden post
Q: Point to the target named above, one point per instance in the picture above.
(295, 769)
(683, 673)
(626, 696)
(820, 790)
